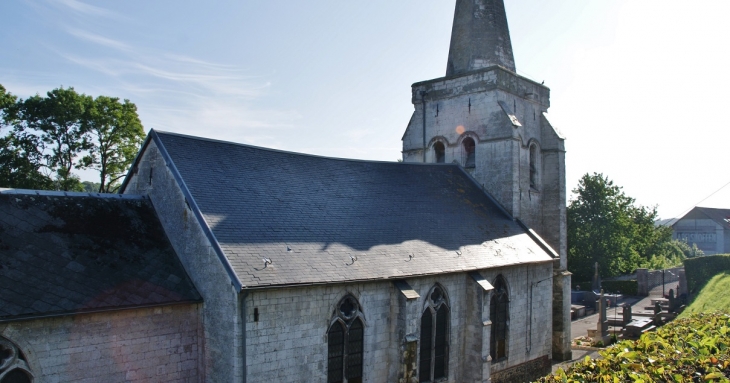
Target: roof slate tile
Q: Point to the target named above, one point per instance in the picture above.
(77, 252)
(397, 219)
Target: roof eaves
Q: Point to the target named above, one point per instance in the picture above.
(235, 281)
(381, 279)
(531, 233)
(538, 239)
(57, 314)
(707, 212)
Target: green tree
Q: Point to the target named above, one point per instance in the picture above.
(116, 132)
(57, 120)
(47, 138)
(605, 226)
(21, 159)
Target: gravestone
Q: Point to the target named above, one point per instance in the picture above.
(626, 314)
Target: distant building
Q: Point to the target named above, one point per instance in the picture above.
(708, 228)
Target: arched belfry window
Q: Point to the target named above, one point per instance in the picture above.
(13, 366)
(439, 151)
(345, 343)
(469, 155)
(533, 166)
(434, 350)
(499, 315)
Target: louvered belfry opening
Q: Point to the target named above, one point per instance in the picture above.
(469, 152)
(533, 166)
(499, 315)
(439, 151)
(434, 342)
(345, 343)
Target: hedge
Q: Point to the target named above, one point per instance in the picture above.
(700, 270)
(621, 287)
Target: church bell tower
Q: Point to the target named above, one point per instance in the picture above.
(490, 120)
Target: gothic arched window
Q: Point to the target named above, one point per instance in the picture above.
(499, 315)
(434, 358)
(439, 151)
(469, 149)
(533, 166)
(345, 343)
(13, 366)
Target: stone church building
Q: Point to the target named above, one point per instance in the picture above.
(224, 262)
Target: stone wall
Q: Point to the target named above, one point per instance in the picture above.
(160, 344)
(221, 317)
(289, 340)
(525, 372)
(649, 279)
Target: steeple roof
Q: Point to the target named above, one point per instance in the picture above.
(479, 37)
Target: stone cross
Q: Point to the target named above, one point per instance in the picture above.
(596, 285)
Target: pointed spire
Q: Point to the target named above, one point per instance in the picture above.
(480, 37)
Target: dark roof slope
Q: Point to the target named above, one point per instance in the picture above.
(64, 253)
(321, 220)
(721, 216)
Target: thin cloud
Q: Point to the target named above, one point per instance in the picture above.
(83, 8)
(100, 40)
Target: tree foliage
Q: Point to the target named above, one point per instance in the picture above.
(48, 137)
(606, 226)
(117, 133)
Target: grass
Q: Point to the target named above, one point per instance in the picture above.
(714, 296)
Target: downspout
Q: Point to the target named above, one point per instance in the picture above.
(423, 100)
(242, 301)
(528, 325)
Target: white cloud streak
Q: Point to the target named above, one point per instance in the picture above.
(85, 9)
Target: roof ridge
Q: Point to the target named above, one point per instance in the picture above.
(58, 193)
(282, 151)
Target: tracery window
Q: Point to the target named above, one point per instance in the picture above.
(469, 149)
(499, 315)
(434, 348)
(13, 366)
(439, 152)
(345, 343)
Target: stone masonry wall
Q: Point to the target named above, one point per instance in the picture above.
(160, 344)
(289, 340)
(221, 317)
(476, 105)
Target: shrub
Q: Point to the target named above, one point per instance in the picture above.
(694, 349)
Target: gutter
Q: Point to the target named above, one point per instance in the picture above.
(242, 301)
(423, 99)
(94, 311)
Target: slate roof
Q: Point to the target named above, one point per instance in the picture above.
(327, 220)
(721, 216)
(64, 253)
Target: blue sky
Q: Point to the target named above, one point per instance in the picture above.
(640, 88)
